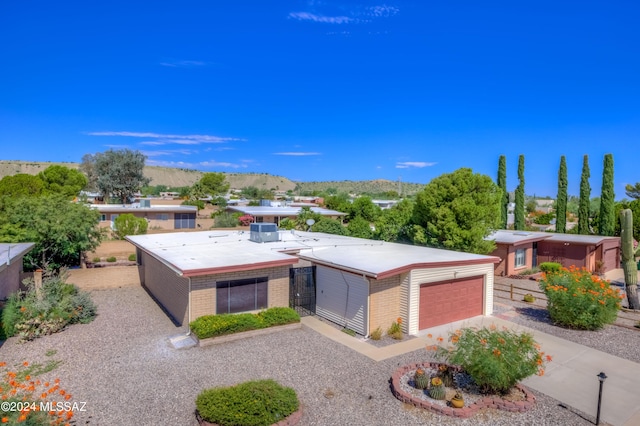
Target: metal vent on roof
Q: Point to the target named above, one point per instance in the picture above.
(263, 232)
(524, 234)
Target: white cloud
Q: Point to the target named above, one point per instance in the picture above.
(411, 164)
(214, 163)
(306, 16)
(178, 164)
(168, 152)
(383, 11)
(297, 154)
(183, 64)
(165, 139)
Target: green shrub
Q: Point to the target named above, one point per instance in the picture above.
(395, 330)
(96, 259)
(255, 403)
(530, 271)
(376, 334)
(550, 267)
(226, 220)
(132, 257)
(11, 315)
(128, 224)
(529, 298)
(220, 325)
(111, 259)
(577, 299)
(279, 316)
(31, 314)
(495, 359)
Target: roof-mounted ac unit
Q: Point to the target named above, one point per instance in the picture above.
(263, 232)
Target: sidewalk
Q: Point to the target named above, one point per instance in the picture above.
(571, 377)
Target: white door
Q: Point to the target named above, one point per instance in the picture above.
(342, 297)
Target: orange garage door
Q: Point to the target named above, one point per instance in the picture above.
(447, 301)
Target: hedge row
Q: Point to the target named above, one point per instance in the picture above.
(220, 325)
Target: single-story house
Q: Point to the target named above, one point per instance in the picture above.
(158, 216)
(11, 266)
(360, 284)
(521, 250)
(268, 214)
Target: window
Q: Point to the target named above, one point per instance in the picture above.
(241, 295)
(521, 257)
(162, 216)
(103, 217)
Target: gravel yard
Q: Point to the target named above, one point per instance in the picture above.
(122, 366)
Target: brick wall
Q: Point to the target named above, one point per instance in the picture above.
(203, 289)
(168, 288)
(384, 302)
(501, 251)
(10, 278)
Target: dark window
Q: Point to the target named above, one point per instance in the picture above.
(185, 221)
(241, 295)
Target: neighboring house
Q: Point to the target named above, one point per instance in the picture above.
(11, 266)
(544, 205)
(158, 216)
(276, 214)
(360, 284)
(385, 204)
(521, 250)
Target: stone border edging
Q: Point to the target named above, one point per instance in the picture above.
(290, 420)
(245, 334)
(467, 411)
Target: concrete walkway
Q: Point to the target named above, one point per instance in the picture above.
(571, 377)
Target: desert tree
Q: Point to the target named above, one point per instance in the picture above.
(457, 211)
(502, 184)
(519, 222)
(585, 194)
(606, 218)
(561, 199)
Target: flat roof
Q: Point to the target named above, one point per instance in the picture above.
(503, 236)
(214, 252)
(107, 208)
(520, 237)
(282, 211)
(9, 252)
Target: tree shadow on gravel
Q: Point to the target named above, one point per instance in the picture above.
(535, 314)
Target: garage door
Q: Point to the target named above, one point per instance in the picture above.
(611, 260)
(342, 297)
(447, 301)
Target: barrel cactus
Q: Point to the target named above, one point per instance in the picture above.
(446, 374)
(420, 379)
(437, 390)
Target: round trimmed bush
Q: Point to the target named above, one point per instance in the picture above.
(577, 299)
(254, 403)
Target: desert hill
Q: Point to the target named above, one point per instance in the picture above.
(174, 177)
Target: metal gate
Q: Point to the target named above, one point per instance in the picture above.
(302, 290)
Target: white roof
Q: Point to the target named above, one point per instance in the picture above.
(211, 252)
(9, 252)
(282, 211)
(108, 208)
(520, 237)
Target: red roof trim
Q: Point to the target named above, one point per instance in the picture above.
(239, 268)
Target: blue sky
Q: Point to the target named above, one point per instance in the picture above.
(327, 90)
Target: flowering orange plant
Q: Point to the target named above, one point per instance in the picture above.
(30, 401)
(495, 359)
(577, 299)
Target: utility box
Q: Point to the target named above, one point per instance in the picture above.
(263, 232)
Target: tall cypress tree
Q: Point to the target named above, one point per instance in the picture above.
(585, 195)
(561, 200)
(502, 184)
(519, 223)
(607, 217)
